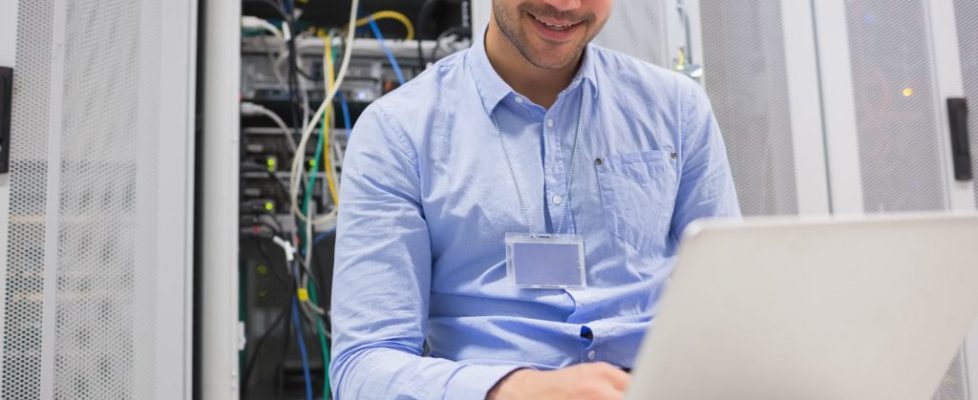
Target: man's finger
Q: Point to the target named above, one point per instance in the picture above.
(619, 379)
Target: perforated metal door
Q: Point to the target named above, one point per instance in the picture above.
(107, 232)
(746, 79)
(899, 132)
(966, 13)
(82, 306)
(23, 295)
(900, 137)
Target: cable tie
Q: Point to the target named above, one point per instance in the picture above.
(285, 245)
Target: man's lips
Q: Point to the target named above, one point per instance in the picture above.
(553, 24)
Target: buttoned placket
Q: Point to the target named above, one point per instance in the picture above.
(556, 138)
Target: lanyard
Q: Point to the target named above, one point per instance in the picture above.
(570, 178)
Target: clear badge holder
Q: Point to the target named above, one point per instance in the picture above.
(545, 261)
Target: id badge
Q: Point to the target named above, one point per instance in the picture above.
(545, 261)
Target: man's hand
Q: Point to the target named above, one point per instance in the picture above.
(594, 381)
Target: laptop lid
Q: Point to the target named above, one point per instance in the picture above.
(834, 309)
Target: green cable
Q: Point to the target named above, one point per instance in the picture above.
(322, 342)
(307, 198)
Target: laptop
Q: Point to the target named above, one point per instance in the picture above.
(848, 308)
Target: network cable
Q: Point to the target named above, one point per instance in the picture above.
(253, 109)
(389, 14)
(347, 124)
(294, 177)
(251, 22)
(390, 55)
(330, 161)
(302, 347)
(308, 290)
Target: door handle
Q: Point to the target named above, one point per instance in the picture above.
(6, 97)
(960, 147)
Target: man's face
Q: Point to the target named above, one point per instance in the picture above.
(551, 34)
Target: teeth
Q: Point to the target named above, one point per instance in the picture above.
(553, 26)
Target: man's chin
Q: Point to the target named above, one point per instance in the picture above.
(550, 58)
(553, 62)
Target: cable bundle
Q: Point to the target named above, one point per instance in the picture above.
(303, 309)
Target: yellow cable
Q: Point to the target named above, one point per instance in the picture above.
(389, 14)
(328, 121)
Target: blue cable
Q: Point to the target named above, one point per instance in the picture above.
(302, 346)
(322, 236)
(346, 114)
(390, 55)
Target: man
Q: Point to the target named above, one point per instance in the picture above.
(530, 132)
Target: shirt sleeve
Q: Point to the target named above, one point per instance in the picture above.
(706, 187)
(382, 278)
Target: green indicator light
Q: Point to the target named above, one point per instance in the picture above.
(272, 164)
(262, 269)
(269, 206)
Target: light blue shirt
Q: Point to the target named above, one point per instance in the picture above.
(427, 199)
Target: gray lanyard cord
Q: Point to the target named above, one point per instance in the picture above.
(570, 178)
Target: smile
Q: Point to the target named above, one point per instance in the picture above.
(554, 26)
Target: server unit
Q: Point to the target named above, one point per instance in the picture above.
(254, 108)
(96, 208)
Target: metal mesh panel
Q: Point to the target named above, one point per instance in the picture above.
(107, 223)
(746, 78)
(896, 106)
(636, 28)
(953, 385)
(966, 13)
(22, 336)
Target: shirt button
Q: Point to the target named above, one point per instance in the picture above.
(519, 99)
(550, 123)
(591, 355)
(557, 199)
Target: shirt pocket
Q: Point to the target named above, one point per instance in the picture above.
(638, 194)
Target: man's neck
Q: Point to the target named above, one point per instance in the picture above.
(540, 85)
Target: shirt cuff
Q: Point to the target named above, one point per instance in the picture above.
(475, 381)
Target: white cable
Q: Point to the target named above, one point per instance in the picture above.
(300, 157)
(250, 22)
(252, 109)
(304, 98)
(289, 258)
(272, 61)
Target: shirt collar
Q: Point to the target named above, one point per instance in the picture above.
(493, 89)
